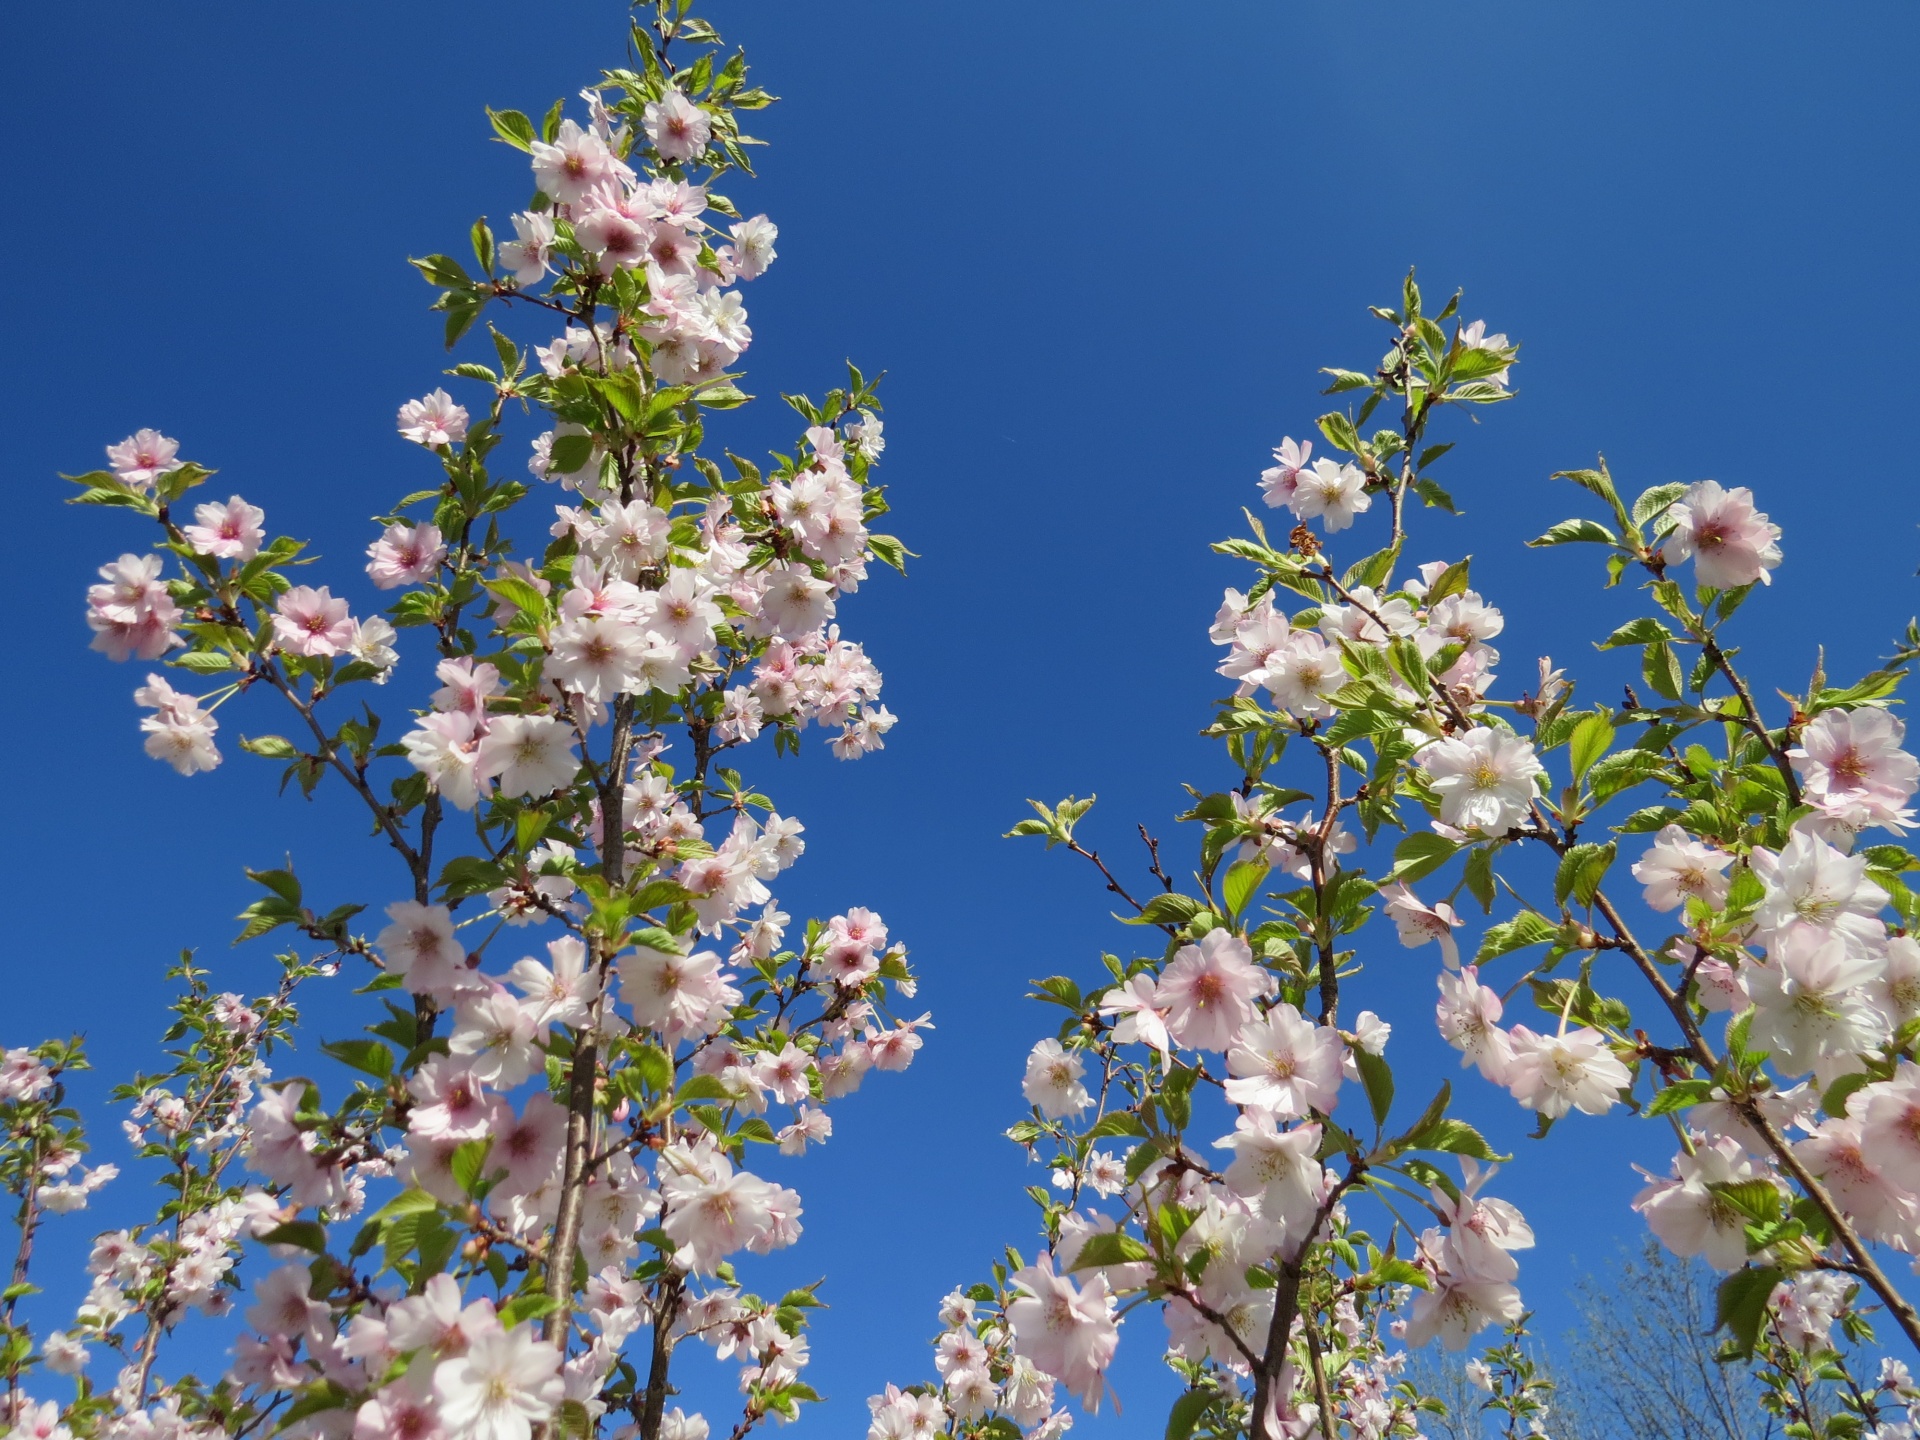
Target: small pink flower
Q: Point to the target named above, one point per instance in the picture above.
(311, 622)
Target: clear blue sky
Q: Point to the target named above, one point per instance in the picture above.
(1102, 248)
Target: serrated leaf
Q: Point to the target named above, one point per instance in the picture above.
(1740, 1306)
(306, 1234)
(1112, 1247)
(1377, 1076)
(1581, 871)
(367, 1056)
(1569, 532)
(1526, 928)
(1589, 742)
(1242, 884)
(1420, 854)
(1167, 910)
(1655, 499)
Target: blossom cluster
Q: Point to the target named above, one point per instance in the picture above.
(533, 1173)
(1797, 1161)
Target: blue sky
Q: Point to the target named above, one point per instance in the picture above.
(1102, 248)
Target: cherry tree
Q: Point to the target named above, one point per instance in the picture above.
(524, 1186)
(1676, 892)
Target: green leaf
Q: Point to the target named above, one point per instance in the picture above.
(1758, 1200)
(1740, 1307)
(1377, 1076)
(512, 127)
(1176, 1095)
(1569, 532)
(443, 270)
(1643, 630)
(307, 1234)
(407, 1202)
(1622, 771)
(1589, 742)
(527, 1305)
(1655, 499)
(1661, 667)
(1452, 581)
(1112, 1247)
(1167, 910)
(1526, 928)
(1581, 871)
(1373, 571)
(1120, 1122)
(1242, 884)
(723, 397)
(1479, 876)
(209, 662)
(703, 1087)
(570, 453)
(468, 1163)
(890, 551)
(653, 1067)
(518, 593)
(1188, 1409)
(1420, 854)
(368, 1056)
(1679, 1095)
(1457, 1137)
(1340, 432)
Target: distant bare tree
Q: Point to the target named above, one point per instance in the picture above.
(1642, 1366)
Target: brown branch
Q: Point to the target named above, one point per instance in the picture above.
(1752, 721)
(1286, 1306)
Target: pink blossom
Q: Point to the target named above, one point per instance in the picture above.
(1469, 1019)
(1484, 779)
(753, 248)
(449, 1102)
(1277, 1167)
(282, 1305)
(1837, 1154)
(682, 996)
(678, 128)
(1677, 868)
(507, 1382)
(1279, 483)
(232, 531)
(132, 614)
(1852, 768)
(528, 1145)
(1418, 922)
(711, 1211)
(1731, 543)
(433, 420)
(143, 457)
(529, 255)
(1207, 993)
(1557, 1073)
(405, 555)
(576, 164)
(179, 731)
(1689, 1216)
(311, 622)
(1889, 1116)
(419, 946)
(1053, 1081)
(1139, 1020)
(1285, 1064)
(1066, 1331)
